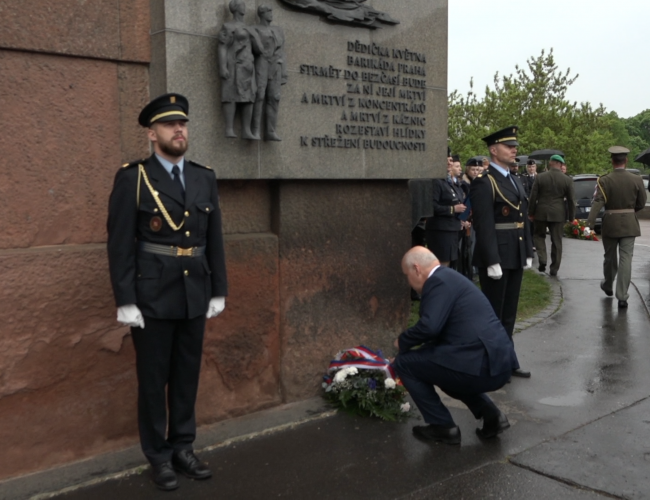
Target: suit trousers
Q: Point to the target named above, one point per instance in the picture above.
(620, 264)
(503, 294)
(168, 363)
(419, 375)
(556, 230)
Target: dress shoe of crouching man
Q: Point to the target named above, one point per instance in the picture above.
(464, 355)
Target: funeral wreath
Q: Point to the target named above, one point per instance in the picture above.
(361, 382)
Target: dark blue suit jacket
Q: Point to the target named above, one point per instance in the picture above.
(459, 327)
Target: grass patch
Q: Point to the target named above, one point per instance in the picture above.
(535, 297)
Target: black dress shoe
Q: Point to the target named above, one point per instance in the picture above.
(447, 435)
(492, 426)
(553, 272)
(541, 268)
(609, 293)
(622, 304)
(164, 476)
(520, 373)
(187, 463)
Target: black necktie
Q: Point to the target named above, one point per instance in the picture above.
(177, 180)
(513, 183)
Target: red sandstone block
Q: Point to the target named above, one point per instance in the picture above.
(134, 95)
(341, 245)
(246, 206)
(241, 356)
(65, 148)
(135, 24)
(93, 28)
(67, 374)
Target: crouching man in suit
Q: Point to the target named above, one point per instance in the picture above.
(465, 355)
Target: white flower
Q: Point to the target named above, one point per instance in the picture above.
(405, 407)
(389, 383)
(352, 370)
(340, 376)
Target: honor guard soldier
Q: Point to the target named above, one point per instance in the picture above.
(167, 266)
(622, 194)
(503, 243)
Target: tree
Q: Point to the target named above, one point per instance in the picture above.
(534, 99)
(638, 129)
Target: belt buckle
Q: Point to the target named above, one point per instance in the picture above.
(184, 252)
(520, 225)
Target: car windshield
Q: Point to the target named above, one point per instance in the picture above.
(584, 188)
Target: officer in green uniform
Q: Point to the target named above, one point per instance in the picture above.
(547, 210)
(622, 193)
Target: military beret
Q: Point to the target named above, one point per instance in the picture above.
(557, 158)
(165, 108)
(455, 158)
(531, 162)
(507, 136)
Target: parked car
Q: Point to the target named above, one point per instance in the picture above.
(584, 186)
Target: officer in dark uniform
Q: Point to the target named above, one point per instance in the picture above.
(443, 229)
(166, 259)
(528, 179)
(503, 243)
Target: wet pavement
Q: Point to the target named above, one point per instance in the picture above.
(580, 425)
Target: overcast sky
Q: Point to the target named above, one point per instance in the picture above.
(593, 38)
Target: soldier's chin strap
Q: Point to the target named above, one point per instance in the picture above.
(143, 173)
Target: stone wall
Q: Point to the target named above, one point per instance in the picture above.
(73, 76)
(313, 265)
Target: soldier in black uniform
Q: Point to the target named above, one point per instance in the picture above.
(166, 259)
(443, 229)
(503, 243)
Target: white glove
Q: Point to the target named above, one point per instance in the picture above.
(587, 231)
(130, 315)
(529, 263)
(495, 272)
(216, 307)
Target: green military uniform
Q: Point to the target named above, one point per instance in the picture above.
(622, 193)
(547, 207)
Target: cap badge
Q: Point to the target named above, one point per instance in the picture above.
(172, 99)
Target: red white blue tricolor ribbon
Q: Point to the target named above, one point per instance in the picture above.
(362, 358)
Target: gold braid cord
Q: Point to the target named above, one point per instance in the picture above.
(601, 189)
(496, 188)
(161, 207)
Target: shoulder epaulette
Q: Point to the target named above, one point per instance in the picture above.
(133, 163)
(199, 165)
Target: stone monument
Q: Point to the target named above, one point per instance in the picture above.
(316, 224)
(237, 70)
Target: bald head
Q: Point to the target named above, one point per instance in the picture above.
(417, 263)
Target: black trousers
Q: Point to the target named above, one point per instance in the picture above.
(503, 294)
(419, 375)
(168, 363)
